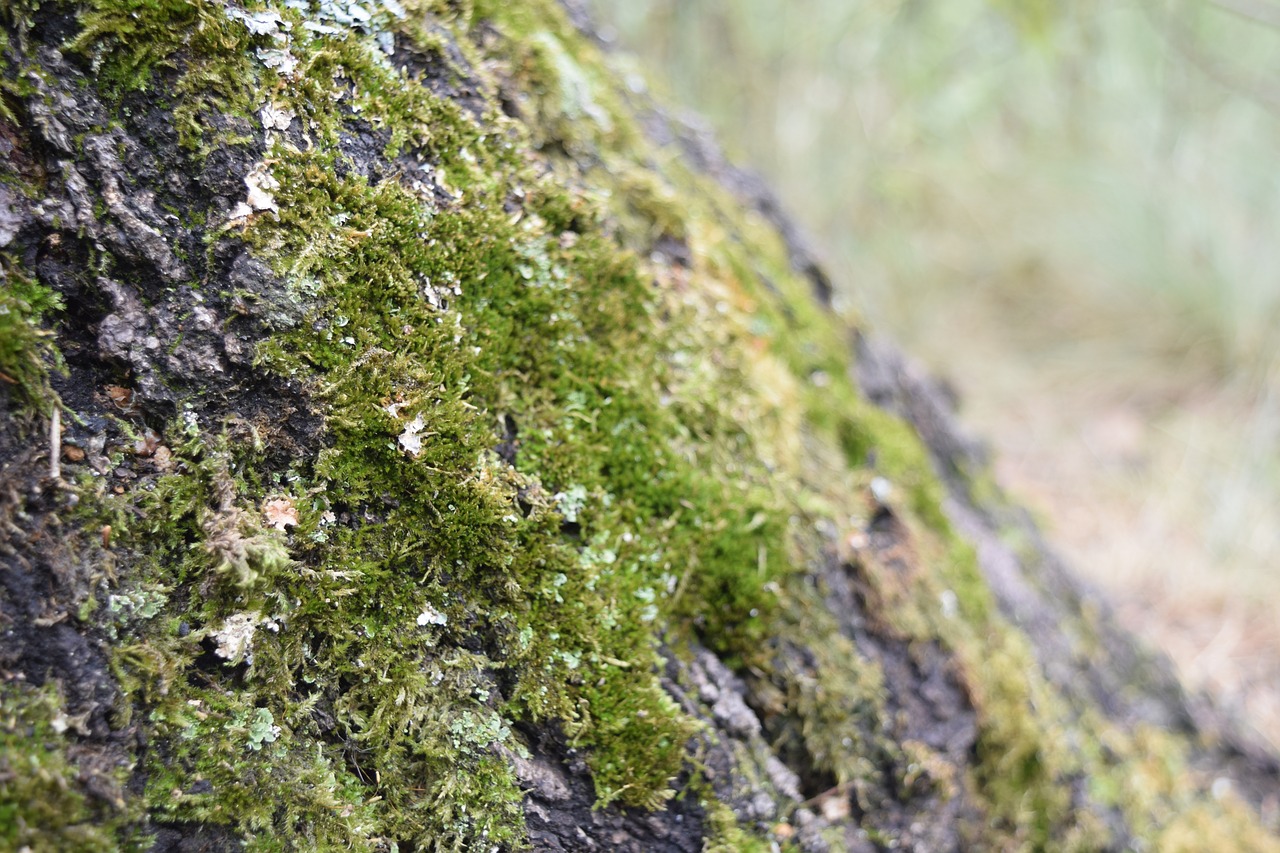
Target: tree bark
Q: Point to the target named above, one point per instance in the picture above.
(414, 437)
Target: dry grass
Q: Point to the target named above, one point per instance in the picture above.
(1070, 209)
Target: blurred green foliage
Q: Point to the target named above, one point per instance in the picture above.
(1118, 154)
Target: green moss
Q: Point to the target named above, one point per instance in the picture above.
(544, 454)
(726, 835)
(875, 438)
(833, 698)
(560, 323)
(1205, 826)
(27, 351)
(46, 804)
(270, 713)
(414, 541)
(1023, 767)
(203, 52)
(18, 17)
(1145, 773)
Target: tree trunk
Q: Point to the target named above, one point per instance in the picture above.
(414, 438)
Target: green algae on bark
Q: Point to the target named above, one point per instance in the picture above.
(520, 414)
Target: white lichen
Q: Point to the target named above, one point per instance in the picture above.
(265, 23)
(141, 603)
(63, 722)
(340, 18)
(571, 502)
(279, 59)
(411, 438)
(275, 117)
(235, 637)
(280, 513)
(431, 616)
(881, 489)
(259, 183)
(262, 729)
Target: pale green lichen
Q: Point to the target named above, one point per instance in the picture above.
(262, 729)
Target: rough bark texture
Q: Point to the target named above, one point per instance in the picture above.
(412, 437)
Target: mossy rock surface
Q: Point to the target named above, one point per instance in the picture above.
(413, 438)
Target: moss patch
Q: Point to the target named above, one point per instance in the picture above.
(189, 48)
(546, 450)
(48, 802)
(27, 351)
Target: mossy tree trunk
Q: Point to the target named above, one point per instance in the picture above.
(411, 437)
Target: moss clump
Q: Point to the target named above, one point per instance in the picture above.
(423, 571)
(1145, 774)
(544, 453)
(27, 351)
(193, 44)
(45, 801)
(726, 835)
(262, 737)
(833, 701)
(17, 17)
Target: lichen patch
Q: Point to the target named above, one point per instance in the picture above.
(234, 638)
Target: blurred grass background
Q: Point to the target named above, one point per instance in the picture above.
(1073, 212)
